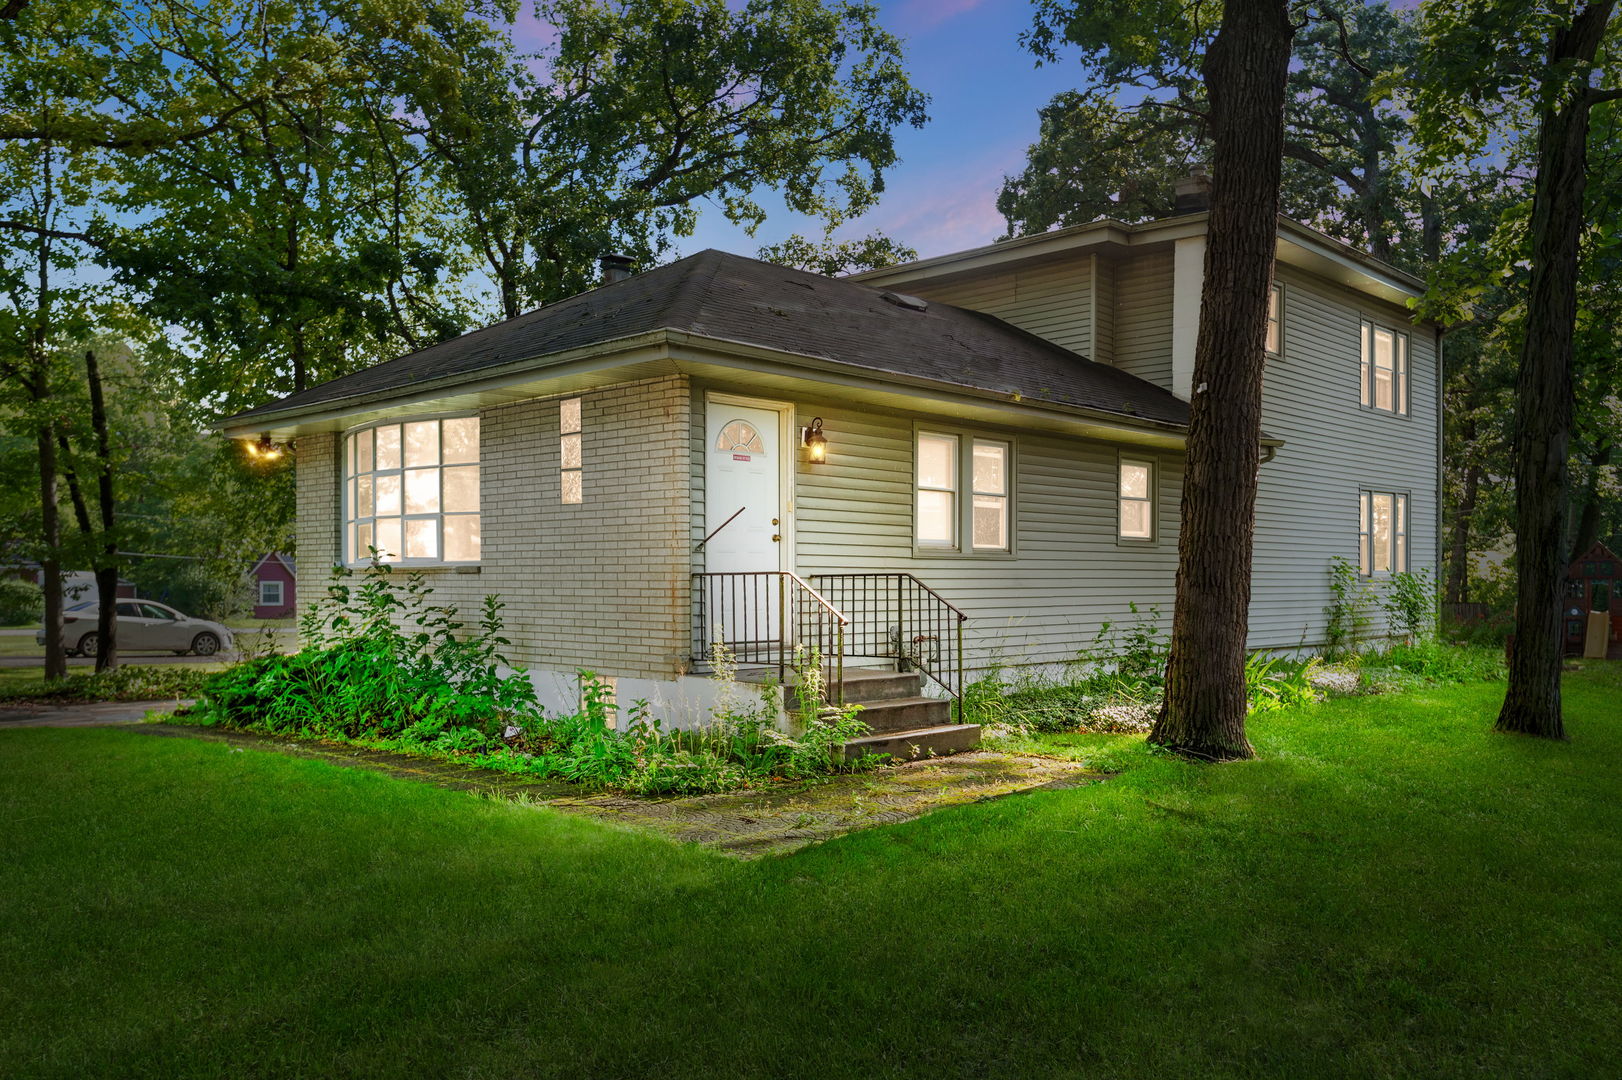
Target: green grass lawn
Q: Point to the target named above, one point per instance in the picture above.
(1390, 891)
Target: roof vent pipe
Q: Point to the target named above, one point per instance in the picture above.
(616, 267)
(1192, 192)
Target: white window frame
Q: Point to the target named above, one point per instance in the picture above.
(350, 477)
(1399, 549)
(281, 591)
(1400, 367)
(1275, 321)
(1150, 500)
(963, 492)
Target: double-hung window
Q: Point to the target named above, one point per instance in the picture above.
(1136, 517)
(270, 594)
(945, 511)
(1382, 532)
(411, 491)
(1384, 369)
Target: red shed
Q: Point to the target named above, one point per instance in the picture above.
(1591, 585)
(275, 582)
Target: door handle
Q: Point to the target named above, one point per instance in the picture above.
(776, 539)
(774, 521)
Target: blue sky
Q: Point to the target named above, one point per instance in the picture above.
(985, 91)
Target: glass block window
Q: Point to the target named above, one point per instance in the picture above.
(1384, 370)
(569, 450)
(1137, 516)
(1382, 532)
(411, 491)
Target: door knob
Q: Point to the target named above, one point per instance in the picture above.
(776, 538)
(774, 521)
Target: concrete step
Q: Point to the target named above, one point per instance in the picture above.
(866, 685)
(917, 743)
(862, 685)
(905, 714)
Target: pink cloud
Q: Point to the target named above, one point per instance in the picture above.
(928, 13)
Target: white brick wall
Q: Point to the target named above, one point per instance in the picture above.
(600, 585)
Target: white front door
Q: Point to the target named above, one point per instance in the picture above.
(743, 520)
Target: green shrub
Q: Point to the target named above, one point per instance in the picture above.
(135, 682)
(1429, 662)
(1347, 613)
(1410, 602)
(387, 669)
(22, 603)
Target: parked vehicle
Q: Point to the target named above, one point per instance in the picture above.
(143, 626)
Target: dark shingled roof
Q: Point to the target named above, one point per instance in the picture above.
(714, 294)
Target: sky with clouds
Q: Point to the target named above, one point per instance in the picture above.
(985, 91)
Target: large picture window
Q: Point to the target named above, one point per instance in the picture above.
(1382, 532)
(411, 491)
(1385, 369)
(963, 493)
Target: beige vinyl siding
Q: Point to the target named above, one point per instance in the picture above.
(1306, 510)
(1053, 301)
(1142, 302)
(1067, 575)
(1103, 306)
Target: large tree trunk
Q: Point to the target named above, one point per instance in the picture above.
(1543, 394)
(1245, 67)
(50, 563)
(107, 563)
(1458, 555)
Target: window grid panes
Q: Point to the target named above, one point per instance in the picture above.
(411, 490)
(270, 593)
(1384, 371)
(570, 451)
(990, 491)
(937, 490)
(1382, 533)
(1137, 500)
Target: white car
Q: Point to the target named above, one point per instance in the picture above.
(143, 626)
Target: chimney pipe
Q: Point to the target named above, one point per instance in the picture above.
(616, 267)
(1192, 192)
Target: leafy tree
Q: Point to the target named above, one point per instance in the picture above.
(607, 140)
(1116, 147)
(1488, 65)
(832, 257)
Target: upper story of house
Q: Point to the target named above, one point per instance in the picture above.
(1129, 296)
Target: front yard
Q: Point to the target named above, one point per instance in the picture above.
(1391, 890)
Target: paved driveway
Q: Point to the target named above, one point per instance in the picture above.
(96, 714)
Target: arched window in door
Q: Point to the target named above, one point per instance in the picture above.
(739, 436)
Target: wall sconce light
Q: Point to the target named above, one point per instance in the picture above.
(815, 443)
(264, 449)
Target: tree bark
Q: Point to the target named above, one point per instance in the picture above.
(1458, 554)
(1543, 389)
(1245, 69)
(107, 563)
(50, 563)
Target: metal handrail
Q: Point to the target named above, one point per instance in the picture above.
(734, 609)
(896, 616)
